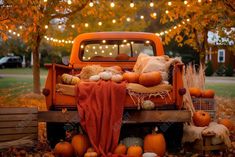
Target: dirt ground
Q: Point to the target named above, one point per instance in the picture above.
(225, 109)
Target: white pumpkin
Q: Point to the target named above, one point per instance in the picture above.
(149, 154)
(105, 75)
(117, 78)
(94, 78)
(148, 105)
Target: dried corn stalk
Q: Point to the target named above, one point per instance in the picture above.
(195, 77)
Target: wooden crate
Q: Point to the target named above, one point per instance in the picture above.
(18, 127)
(206, 104)
(205, 145)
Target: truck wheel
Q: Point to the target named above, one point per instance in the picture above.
(55, 133)
(173, 133)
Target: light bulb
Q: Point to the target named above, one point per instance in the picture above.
(113, 21)
(169, 3)
(91, 4)
(141, 17)
(99, 23)
(167, 11)
(132, 4)
(73, 26)
(69, 2)
(112, 4)
(151, 4)
(128, 19)
(185, 2)
(46, 26)
(86, 24)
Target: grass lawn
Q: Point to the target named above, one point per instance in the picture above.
(222, 89)
(21, 71)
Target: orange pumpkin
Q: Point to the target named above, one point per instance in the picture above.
(64, 149)
(131, 77)
(91, 149)
(201, 118)
(122, 57)
(150, 78)
(134, 151)
(155, 143)
(226, 122)
(196, 92)
(120, 149)
(90, 154)
(80, 144)
(209, 93)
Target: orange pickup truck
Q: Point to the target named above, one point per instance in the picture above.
(109, 49)
(116, 49)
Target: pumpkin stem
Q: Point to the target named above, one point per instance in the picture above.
(155, 130)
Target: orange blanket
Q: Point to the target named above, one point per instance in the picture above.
(100, 107)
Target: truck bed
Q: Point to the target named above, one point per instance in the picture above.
(67, 92)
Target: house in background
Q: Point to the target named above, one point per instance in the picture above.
(220, 51)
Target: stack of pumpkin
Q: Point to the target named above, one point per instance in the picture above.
(153, 145)
(196, 92)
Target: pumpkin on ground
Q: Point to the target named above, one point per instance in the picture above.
(134, 151)
(201, 118)
(90, 154)
(120, 149)
(209, 93)
(226, 122)
(155, 143)
(131, 77)
(80, 144)
(150, 78)
(64, 149)
(196, 92)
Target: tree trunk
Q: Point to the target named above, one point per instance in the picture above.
(36, 65)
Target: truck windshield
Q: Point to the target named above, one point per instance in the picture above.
(115, 50)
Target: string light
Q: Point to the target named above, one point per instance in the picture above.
(100, 23)
(73, 26)
(45, 1)
(141, 17)
(185, 2)
(46, 26)
(20, 27)
(132, 4)
(166, 11)
(128, 19)
(86, 24)
(199, 1)
(151, 4)
(113, 21)
(91, 4)
(69, 2)
(169, 3)
(188, 20)
(112, 4)
(59, 26)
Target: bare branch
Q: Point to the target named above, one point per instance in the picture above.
(230, 4)
(79, 8)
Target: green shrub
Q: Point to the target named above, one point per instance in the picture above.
(229, 70)
(209, 69)
(221, 70)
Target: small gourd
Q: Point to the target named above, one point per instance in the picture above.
(94, 78)
(105, 75)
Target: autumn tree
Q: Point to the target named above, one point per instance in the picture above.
(189, 21)
(35, 19)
